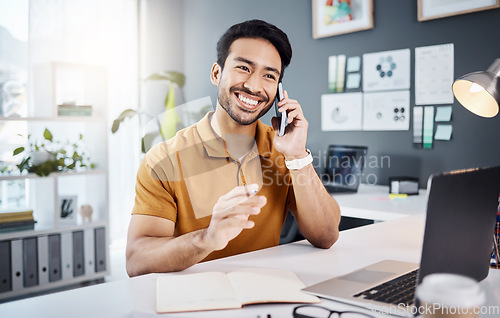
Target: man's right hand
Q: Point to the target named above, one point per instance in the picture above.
(230, 215)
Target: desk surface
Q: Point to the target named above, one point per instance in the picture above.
(372, 202)
(135, 298)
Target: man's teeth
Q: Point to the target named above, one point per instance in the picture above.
(248, 100)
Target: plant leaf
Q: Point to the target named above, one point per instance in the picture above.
(24, 164)
(127, 113)
(18, 150)
(168, 126)
(170, 76)
(116, 125)
(47, 134)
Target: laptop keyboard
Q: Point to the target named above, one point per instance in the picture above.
(400, 290)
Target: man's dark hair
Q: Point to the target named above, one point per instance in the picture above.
(255, 29)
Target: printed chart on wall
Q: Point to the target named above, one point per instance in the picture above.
(434, 74)
(387, 70)
(341, 112)
(386, 110)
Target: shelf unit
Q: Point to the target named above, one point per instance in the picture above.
(57, 254)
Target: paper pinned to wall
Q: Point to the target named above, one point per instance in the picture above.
(388, 70)
(332, 73)
(341, 112)
(341, 60)
(428, 132)
(418, 113)
(434, 74)
(443, 132)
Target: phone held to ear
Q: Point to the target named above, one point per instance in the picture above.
(282, 120)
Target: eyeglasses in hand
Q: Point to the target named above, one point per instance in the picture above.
(314, 311)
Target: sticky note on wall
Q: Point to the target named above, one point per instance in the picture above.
(443, 113)
(353, 64)
(443, 132)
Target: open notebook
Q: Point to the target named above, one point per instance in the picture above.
(217, 290)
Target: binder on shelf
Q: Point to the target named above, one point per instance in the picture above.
(16, 257)
(17, 226)
(43, 260)
(78, 256)
(15, 214)
(100, 249)
(67, 255)
(16, 219)
(30, 262)
(5, 272)
(89, 251)
(54, 257)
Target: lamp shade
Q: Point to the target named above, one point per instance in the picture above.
(479, 92)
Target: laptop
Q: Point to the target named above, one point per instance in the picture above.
(461, 214)
(344, 167)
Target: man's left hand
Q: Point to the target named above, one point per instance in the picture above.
(293, 143)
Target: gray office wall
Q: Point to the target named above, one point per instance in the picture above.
(475, 140)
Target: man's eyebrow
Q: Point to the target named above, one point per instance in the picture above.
(244, 60)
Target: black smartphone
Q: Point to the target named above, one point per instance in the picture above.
(282, 120)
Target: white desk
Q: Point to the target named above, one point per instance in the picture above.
(135, 298)
(372, 202)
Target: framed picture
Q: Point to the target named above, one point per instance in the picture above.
(436, 9)
(68, 208)
(335, 17)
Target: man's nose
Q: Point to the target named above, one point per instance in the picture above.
(253, 83)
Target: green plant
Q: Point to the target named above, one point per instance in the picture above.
(53, 156)
(169, 124)
(164, 126)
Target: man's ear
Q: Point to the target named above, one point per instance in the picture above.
(215, 74)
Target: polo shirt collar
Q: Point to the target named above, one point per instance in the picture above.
(214, 145)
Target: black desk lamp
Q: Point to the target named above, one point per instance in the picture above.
(479, 92)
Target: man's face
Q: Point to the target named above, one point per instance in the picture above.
(247, 86)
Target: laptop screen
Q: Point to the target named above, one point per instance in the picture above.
(461, 214)
(344, 165)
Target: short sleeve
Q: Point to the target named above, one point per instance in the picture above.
(153, 195)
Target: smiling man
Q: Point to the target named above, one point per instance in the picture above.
(224, 185)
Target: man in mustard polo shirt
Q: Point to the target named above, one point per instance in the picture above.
(224, 185)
